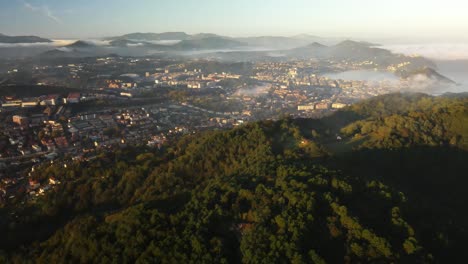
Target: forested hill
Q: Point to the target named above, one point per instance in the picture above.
(267, 192)
(395, 121)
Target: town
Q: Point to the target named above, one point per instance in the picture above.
(87, 105)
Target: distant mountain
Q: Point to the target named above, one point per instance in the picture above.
(123, 43)
(354, 44)
(275, 42)
(207, 44)
(314, 50)
(317, 45)
(166, 36)
(206, 35)
(306, 36)
(360, 52)
(344, 49)
(153, 36)
(22, 39)
(196, 42)
(80, 44)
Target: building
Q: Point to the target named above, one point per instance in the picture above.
(30, 102)
(61, 142)
(73, 98)
(322, 106)
(195, 85)
(50, 100)
(128, 85)
(338, 105)
(53, 181)
(12, 103)
(305, 107)
(33, 184)
(126, 94)
(20, 120)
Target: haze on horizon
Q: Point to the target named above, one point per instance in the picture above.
(427, 20)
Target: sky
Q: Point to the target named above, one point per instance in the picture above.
(416, 19)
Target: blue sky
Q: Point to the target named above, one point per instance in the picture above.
(340, 18)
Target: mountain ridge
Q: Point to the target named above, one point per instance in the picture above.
(80, 44)
(22, 39)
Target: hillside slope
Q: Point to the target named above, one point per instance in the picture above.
(269, 192)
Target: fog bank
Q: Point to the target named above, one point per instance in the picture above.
(446, 51)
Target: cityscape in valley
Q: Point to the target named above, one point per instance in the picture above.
(174, 147)
(76, 106)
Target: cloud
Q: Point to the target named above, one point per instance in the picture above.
(162, 42)
(98, 42)
(63, 42)
(424, 84)
(54, 43)
(65, 49)
(256, 90)
(43, 10)
(440, 51)
(25, 45)
(415, 83)
(135, 44)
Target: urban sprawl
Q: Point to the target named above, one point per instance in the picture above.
(108, 103)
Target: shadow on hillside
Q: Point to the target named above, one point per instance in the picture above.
(433, 179)
(332, 123)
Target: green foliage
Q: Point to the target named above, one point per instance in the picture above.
(403, 121)
(266, 192)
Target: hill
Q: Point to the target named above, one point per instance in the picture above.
(399, 121)
(276, 42)
(22, 39)
(80, 44)
(427, 73)
(206, 35)
(207, 44)
(123, 43)
(358, 52)
(270, 192)
(55, 53)
(152, 36)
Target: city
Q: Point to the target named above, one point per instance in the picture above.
(101, 106)
(233, 132)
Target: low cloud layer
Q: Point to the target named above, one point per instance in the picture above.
(422, 83)
(416, 83)
(135, 44)
(25, 45)
(54, 43)
(446, 51)
(162, 42)
(254, 90)
(98, 42)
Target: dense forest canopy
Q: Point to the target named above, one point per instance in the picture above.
(381, 181)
